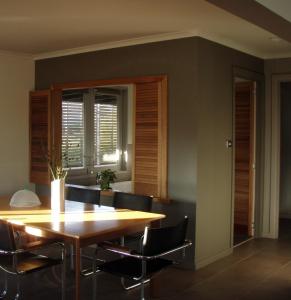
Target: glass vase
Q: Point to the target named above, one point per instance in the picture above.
(58, 195)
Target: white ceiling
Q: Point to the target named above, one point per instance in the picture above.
(58, 27)
(280, 7)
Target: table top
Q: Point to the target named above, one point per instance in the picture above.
(79, 220)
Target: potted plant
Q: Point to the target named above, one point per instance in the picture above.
(104, 178)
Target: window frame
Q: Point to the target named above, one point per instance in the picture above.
(162, 157)
(89, 167)
(120, 125)
(82, 157)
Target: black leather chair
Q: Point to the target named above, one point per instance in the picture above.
(20, 260)
(140, 266)
(132, 201)
(83, 194)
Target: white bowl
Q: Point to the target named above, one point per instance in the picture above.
(24, 198)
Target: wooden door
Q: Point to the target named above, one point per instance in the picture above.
(244, 157)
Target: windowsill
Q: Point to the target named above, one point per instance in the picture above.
(123, 186)
(89, 171)
(90, 179)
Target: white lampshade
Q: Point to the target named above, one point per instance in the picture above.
(24, 198)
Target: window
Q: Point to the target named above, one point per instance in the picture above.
(73, 130)
(105, 130)
(90, 128)
(141, 118)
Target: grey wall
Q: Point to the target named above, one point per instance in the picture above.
(214, 160)
(200, 119)
(285, 190)
(272, 67)
(16, 79)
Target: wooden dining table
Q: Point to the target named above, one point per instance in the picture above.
(79, 224)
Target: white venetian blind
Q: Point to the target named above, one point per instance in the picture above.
(105, 130)
(73, 130)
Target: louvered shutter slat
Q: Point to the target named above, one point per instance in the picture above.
(105, 132)
(73, 132)
(40, 140)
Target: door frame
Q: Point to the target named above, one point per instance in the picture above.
(252, 152)
(272, 186)
(259, 125)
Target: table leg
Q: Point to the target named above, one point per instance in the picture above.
(154, 287)
(77, 270)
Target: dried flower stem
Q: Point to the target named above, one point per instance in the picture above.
(56, 169)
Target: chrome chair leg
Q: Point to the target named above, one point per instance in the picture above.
(89, 271)
(142, 297)
(95, 271)
(183, 253)
(81, 264)
(4, 292)
(130, 287)
(17, 296)
(84, 272)
(71, 257)
(122, 279)
(64, 258)
(143, 270)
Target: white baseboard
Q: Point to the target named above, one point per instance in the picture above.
(268, 235)
(206, 261)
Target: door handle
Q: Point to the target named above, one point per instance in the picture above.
(228, 143)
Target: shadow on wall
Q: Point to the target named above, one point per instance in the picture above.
(174, 212)
(285, 190)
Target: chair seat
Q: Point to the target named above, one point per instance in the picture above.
(131, 268)
(28, 262)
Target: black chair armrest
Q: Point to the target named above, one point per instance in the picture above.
(119, 249)
(187, 243)
(132, 253)
(38, 245)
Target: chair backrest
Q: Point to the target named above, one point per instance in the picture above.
(160, 240)
(132, 201)
(7, 242)
(83, 194)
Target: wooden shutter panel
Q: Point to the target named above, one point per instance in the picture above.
(56, 127)
(39, 116)
(150, 145)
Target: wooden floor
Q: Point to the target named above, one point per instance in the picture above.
(258, 269)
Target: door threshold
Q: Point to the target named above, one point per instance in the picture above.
(243, 242)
